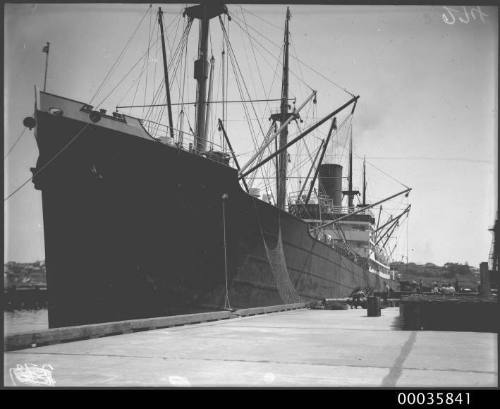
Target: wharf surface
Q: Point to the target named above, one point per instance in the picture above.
(295, 348)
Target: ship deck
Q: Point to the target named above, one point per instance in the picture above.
(295, 348)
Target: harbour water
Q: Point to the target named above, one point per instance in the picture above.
(25, 320)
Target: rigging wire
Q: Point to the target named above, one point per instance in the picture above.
(270, 52)
(173, 66)
(120, 55)
(241, 89)
(137, 80)
(227, 304)
(145, 67)
(346, 139)
(259, 73)
(226, 16)
(302, 62)
(125, 76)
(146, 54)
(235, 64)
(223, 81)
(182, 90)
(214, 112)
(267, 105)
(46, 164)
(150, 32)
(119, 83)
(298, 165)
(385, 173)
(339, 129)
(257, 65)
(156, 59)
(250, 73)
(264, 20)
(15, 143)
(149, 113)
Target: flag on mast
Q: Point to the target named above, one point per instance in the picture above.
(45, 50)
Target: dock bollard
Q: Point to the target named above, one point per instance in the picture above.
(373, 306)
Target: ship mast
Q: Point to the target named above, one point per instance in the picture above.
(282, 117)
(494, 247)
(165, 71)
(351, 196)
(203, 12)
(364, 182)
(350, 193)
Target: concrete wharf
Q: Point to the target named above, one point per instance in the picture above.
(297, 347)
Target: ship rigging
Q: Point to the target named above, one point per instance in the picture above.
(272, 155)
(178, 210)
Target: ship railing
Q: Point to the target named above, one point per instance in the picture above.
(182, 140)
(347, 210)
(326, 205)
(295, 198)
(341, 248)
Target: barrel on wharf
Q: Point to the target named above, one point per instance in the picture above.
(373, 306)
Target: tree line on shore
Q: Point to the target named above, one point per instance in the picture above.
(465, 275)
(24, 274)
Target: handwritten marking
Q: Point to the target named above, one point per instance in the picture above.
(450, 17)
(31, 374)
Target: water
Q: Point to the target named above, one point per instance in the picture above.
(25, 320)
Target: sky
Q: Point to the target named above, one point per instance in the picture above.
(427, 115)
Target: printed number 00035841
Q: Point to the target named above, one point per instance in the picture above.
(434, 398)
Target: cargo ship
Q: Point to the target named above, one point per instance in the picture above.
(143, 219)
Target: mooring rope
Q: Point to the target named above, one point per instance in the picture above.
(15, 143)
(227, 304)
(42, 168)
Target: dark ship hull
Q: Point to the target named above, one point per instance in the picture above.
(134, 228)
